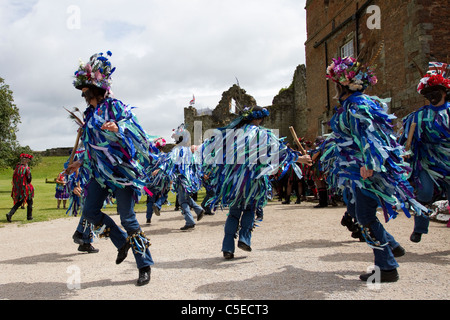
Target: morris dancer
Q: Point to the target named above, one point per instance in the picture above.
(160, 194)
(116, 155)
(430, 144)
(239, 172)
(363, 159)
(183, 167)
(23, 191)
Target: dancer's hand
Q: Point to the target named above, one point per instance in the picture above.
(365, 173)
(305, 159)
(77, 191)
(73, 167)
(110, 126)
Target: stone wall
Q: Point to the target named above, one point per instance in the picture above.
(221, 115)
(288, 109)
(57, 152)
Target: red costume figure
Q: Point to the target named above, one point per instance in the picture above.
(22, 191)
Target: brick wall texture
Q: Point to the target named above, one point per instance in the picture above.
(411, 30)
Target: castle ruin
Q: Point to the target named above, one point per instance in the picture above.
(288, 109)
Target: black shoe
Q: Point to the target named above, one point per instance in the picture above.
(87, 247)
(415, 237)
(156, 210)
(122, 252)
(243, 246)
(78, 238)
(228, 255)
(358, 235)
(286, 202)
(187, 227)
(385, 276)
(321, 205)
(149, 221)
(144, 276)
(29, 218)
(398, 252)
(201, 215)
(347, 221)
(8, 218)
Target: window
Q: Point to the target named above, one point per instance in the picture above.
(347, 50)
(233, 108)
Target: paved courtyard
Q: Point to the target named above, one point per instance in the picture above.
(299, 253)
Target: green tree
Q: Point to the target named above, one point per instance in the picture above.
(10, 149)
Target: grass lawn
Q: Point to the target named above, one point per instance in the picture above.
(44, 208)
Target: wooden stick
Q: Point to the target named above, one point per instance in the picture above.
(297, 141)
(412, 128)
(75, 147)
(316, 155)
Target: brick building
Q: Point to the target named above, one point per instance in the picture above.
(413, 31)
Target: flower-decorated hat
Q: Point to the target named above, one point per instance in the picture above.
(349, 72)
(97, 72)
(27, 156)
(437, 77)
(252, 114)
(160, 142)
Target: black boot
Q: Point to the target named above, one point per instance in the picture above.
(385, 276)
(144, 276)
(244, 246)
(323, 199)
(78, 238)
(288, 200)
(87, 247)
(358, 235)
(347, 221)
(123, 252)
(228, 255)
(398, 252)
(11, 213)
(30, 211)
(156, 210)
(415, 237)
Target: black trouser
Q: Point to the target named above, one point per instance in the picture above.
(19, 204)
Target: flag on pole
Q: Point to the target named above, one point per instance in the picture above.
(439, 68)
(192, 102)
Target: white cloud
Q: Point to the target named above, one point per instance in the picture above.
(164, 50)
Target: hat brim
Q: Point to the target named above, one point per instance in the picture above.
(85, 85)
(433, 88)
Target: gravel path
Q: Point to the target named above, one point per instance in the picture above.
(299, 253)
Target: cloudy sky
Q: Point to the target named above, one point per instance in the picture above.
(165, 51)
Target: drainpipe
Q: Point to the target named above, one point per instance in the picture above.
(328, 82)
